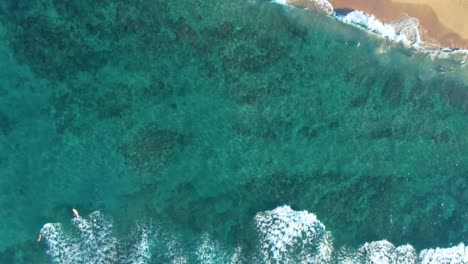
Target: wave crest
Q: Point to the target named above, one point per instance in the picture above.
(283, 236)
(292, 236)
(94, 242)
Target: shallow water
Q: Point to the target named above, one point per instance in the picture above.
(198, 115)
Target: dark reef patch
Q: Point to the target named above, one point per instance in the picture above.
(151, 148)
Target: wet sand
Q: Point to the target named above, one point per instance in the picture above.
(444, 23)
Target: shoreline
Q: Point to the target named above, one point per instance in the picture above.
(439, 23)
(402, 28)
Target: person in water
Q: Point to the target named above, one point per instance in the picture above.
(75, 214)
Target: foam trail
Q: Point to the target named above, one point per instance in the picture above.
(170, 247)
(283, 236)
(61, 247)
(94, 242)
(140, 249)
(210, 251)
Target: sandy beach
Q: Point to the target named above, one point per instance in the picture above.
(444, 23)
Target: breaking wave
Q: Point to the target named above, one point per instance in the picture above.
(288, 236)
(404, 30)
(283, 236)
(94, 242)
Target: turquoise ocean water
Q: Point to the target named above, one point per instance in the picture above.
(179, 129)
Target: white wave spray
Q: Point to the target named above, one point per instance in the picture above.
(283, 236)
(288, 236)
(319, 5)
(93, 243)
(404, 30)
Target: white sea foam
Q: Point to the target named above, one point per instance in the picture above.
(457, 254)
(407, 28)
(94, 243)
(171, 248)
(210, 251)
(369, 22)
(385, 252)
(61, 247)
(288, 236)
(319, 5)
(140, 249)
(404, 30)
(283, 236)
(378, 252)
(324, 6)
(96, 240)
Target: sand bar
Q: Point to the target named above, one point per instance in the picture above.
(441, 22)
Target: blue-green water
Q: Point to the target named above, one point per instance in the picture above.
(196, 116)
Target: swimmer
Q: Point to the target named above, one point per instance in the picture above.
(75, 213)
(39, 238)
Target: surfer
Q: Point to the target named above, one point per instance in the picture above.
(75, 213)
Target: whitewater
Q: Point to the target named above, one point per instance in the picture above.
(283, 235)
(402, 31)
